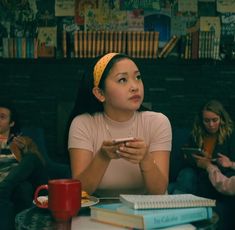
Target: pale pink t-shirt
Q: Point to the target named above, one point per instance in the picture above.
(89, 132)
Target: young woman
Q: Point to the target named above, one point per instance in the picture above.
(21, 167)
(213, 133)
(108, 107)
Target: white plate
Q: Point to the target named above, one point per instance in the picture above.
(41, 199)
(92, 201)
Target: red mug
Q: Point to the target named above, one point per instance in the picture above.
(64, 198)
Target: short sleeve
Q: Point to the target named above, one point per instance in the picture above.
(80, 133)
(161, 133)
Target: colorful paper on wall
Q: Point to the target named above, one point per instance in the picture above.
(224, 6)
(64, 7)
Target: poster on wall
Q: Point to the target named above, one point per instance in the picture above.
(47, 41)
(144, 4)
(64, 7)
(225, 6)
(98, 19)
(81, 6)
(135, 20)
(187, 6)
(228, 26)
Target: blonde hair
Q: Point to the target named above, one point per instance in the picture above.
(226, 123)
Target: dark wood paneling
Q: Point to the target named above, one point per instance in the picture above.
(174, 87)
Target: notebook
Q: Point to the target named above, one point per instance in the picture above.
(165, 201)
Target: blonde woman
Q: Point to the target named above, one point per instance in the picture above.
(213, 133)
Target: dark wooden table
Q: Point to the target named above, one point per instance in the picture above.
(35, 218)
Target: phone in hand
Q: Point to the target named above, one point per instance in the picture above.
(12, 137)
(189, 151)
(192, 150)
(123, 140)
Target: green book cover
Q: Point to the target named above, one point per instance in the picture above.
(119, 214)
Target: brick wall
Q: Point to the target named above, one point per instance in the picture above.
(44, 90)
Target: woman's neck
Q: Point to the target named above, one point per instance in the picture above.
(212, 135)
(119, 116)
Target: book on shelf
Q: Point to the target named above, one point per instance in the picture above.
(188, 46)
(102, 42)
(130, 39)
(146, 55)
(11, 53)
(98, 43)
(89, 44)
(29, 47)
(123, 41)
(165, 201)
(121, 215)
(75, 44)
(195, 44)
(20, 47)
(80, 44)
(115, 42)
(155, 44)
(85, 46)
(35, 48)
(167, 46)
(14, 47)
(106, 41)
(171, 47)
(5, 47)
(138, 39)
(142, 44)
(94, 46)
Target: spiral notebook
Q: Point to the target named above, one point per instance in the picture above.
(165, 201)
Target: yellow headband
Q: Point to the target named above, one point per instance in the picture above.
(100, 67)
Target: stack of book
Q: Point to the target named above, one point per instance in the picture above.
(202, 41)
(89, 44)
(154, 211)
(20, 47)
(142, 44)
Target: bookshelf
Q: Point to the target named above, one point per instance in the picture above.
(58, 29)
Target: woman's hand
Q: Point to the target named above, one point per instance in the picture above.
(202, 162)
(224, 161)
(110, 150)
(133, 151)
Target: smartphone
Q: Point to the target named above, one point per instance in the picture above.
(121, 140)
(188, 151)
